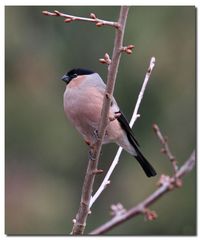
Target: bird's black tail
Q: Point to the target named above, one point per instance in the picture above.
(148, 169)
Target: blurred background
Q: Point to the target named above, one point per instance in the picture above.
(46, 159)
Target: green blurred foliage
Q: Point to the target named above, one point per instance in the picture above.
(46, 158)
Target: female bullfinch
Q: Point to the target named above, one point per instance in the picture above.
(83, 100)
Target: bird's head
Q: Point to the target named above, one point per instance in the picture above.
(75, 73)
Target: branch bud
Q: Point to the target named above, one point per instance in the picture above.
(102, 60)
(131, 46)
(99, 24)
(46, 13)
(98, 171)
(150, 215)
(155, 127)
(179, 182)
(57, 12)
(67, 20)
(106, 59)
(129, 51)
(92, 15)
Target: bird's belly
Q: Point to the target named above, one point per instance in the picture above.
(84, 115)
(84, 111)
(114, 132)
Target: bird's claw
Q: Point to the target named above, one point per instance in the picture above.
(91, 155)
(96, 134)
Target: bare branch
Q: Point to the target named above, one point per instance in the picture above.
(146, 79)
(93, 19)
(165, 149)
(167, 184)
(81, 217)
(133, 119)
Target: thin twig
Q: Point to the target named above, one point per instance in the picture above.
(81, 217)
(71, 18)
(166, 149)
(135, 115)
(167, 184)
(146, 79)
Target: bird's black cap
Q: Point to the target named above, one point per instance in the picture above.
(74, 73)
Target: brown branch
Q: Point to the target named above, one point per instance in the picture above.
(165, 149)
(81, 217)
(71, 18)
(166, 184)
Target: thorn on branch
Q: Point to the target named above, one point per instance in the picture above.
(128, 49)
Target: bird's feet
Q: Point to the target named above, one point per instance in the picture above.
(96, 135)
(91, 154)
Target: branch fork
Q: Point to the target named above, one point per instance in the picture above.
(142, 207)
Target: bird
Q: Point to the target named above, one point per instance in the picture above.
(83, 100)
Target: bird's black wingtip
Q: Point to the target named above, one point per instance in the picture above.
(151, 173)
(148, 169)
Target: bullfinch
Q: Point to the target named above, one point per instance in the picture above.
(83, 100)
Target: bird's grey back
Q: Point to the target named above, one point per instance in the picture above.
(95, 80)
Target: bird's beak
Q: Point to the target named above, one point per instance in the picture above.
(66, 79)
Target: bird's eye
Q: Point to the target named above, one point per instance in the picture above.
(75, 75)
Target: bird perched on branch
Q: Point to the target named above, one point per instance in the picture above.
(83, 100)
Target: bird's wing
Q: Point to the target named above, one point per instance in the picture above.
(125, 125)
(149, 170)
(122, 120)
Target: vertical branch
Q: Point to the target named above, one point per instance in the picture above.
(81, 217)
